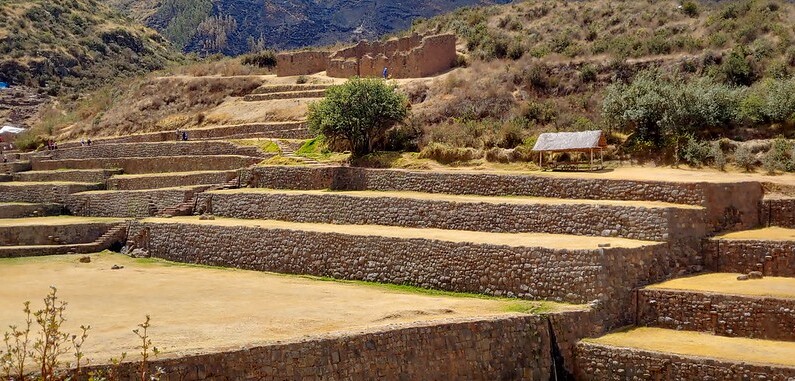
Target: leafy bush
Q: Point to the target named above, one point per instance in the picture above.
(778, 157)
(718, 156)
(744, 158)
(695, 152)
(359, 112)
(265, 59)
(690, 8)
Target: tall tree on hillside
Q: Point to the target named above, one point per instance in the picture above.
(359, 112)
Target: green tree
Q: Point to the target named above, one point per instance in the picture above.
(359, 112)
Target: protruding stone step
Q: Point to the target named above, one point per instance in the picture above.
(723, 305)
(533, 266)
(22, 210)
(139, 165)
(78, 175)
(654, 221)
(662, 354)
(169, 180)
(770, 251)
(285, 95)
(42, 192)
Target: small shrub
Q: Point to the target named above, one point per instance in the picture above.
(718, 156)
(588, 73)
(266, 59)
(778, 157)
(690, 8)
(447, 155)
(695, 152)
(302, 79)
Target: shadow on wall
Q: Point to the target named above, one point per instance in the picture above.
(408, 57)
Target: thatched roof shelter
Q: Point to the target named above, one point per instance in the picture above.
(584, 141)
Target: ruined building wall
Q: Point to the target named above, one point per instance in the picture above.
(407, 57)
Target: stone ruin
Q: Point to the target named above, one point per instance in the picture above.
(414, 56)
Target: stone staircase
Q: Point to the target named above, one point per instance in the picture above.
(288, 151)
(40, 236)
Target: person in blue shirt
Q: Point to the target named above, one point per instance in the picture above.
(386, 73)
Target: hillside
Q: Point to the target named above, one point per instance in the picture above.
(65, 45)
(234, 27)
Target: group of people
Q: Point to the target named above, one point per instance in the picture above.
(85, 143)
(52, 145)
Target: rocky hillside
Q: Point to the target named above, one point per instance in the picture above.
(238, 26)
(64, 45)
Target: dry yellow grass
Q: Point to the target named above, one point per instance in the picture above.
(726, 283)
(200, 309)
(703, 345)
(767, 234)
(520, 200)
(555, 241)
(56, 220)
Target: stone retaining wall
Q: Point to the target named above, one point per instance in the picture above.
(725, 315)
(504, 348)
(733, 206)
(778, 212)
(181, 180)
(155, 149)
(29, 210)
(17, 166)
(52, 234)
(772, 258)
(576, 276)
(129, 204)
(82, 176)
(41, 193)
(603, 363)
(284, 130)
(140, 165)
(580, 219)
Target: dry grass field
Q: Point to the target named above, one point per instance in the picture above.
(199, 309)
(728, 284)
(703, 345)
(768, 234)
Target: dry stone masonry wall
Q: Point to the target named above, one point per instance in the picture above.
(727, 315)
(21, 210)
(82, 176)
(131, 204)
(580, 219)
(728, 206)
(772, 258)
(153, 149)
(55, 193)
(778, 212)
(179, 180)
(51, 234)
(153, 164)
(506, 348)
(603, 363)
(408, 57)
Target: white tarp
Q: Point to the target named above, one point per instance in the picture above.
(11, 130)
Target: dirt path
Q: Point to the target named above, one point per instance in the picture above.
(197, 309)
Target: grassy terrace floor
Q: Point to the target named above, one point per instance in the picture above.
(56, 220)
(723, 283)
(553, 241)
(202, 309)
(766, 234)
(519, 200)
(703, 345)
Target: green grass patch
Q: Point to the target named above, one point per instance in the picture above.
(280, 160)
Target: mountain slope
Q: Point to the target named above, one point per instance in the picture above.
(238, 26)
(65, 45)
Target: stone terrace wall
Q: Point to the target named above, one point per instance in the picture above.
(142, 165)
(52, 234)
(581, 219)
(725, 315)
(12, 167)
(182, 180)
(42, 193)
(143, 203)
(576, 276)
(773, 258)
(602, 363)
(778, 212)
(154, 149)
(504, 348)
(82, 176)
(29, 210)
(728, 206)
